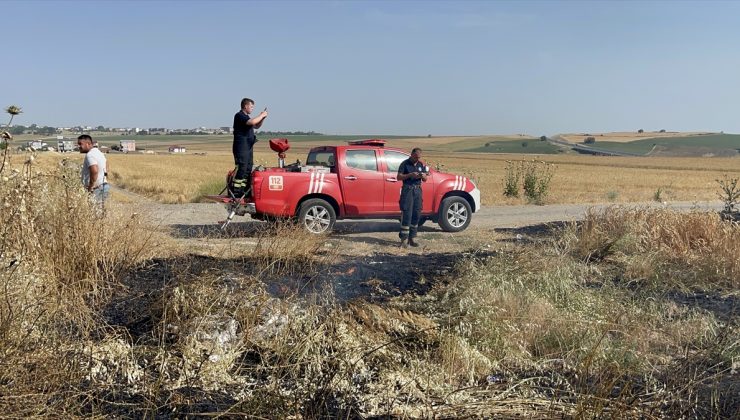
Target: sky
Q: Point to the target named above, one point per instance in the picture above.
(376, 67)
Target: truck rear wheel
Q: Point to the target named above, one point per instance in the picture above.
(454, 214)
(317, 216)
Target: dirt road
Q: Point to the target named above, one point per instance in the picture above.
(491, 217)
(368, 263)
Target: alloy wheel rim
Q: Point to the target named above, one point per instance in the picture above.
(317, 219)
(457, 215)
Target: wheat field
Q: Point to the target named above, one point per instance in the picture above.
(577, 179)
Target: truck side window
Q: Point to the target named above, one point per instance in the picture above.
(393, 160)
(321, 158)
(362, 159)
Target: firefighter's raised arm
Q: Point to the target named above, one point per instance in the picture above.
(258, 120)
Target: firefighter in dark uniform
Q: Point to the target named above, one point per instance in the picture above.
(244, 140)
(412, 172)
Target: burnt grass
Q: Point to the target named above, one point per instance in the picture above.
(378, 277)
(373, 278)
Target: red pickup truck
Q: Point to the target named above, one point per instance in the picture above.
(356, 181)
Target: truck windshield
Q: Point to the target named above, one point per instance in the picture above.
(321, 158)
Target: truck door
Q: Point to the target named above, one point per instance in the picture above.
(362, 182)
(392, 190)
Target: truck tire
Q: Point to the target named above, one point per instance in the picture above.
(455, 214)
(317, 216)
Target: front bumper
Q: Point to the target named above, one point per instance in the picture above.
(476, 198)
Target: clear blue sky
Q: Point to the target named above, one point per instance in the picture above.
(395, 67)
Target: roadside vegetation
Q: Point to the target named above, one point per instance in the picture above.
(632, 313)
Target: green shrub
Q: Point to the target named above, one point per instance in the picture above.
(512, 178)
(537, 178)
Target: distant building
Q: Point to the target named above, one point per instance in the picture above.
(65, 146)
(226, 129)
(35, 144)
(177, 149)
(128, 145)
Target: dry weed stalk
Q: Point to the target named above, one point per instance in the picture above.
(60, 259)
(695, 249)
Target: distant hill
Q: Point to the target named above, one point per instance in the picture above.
(699, 145)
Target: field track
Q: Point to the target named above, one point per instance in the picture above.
(204, 214)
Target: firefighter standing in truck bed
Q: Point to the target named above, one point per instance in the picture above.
(244, 140)
(412, 172)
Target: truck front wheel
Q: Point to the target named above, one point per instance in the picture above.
(317, 216)
(454, 214)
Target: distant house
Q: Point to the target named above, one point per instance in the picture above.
(177, 149)
(128, 145)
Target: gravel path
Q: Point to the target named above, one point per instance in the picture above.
(488, 217)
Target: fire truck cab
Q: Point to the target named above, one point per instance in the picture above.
(354, 181)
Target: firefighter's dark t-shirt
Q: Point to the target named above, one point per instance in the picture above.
(241, 128)
(408, 167)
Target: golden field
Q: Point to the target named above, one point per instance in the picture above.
(578, 178)
(628, 136)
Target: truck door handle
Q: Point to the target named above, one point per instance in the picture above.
(351, 177)
(391, 179)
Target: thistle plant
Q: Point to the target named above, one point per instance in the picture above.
(13, 110)
(730, 194)
(536, 180)
(512, 178)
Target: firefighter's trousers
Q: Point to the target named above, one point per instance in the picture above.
(410, 204)
(243, 159)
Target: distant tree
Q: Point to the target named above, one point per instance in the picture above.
(100, 128)
(589, 140)
(429, 136)
(543, 138)
(641, 131)
(47, 131)
(18, 129)
(662, 131)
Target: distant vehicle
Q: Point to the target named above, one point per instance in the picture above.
(356, 181)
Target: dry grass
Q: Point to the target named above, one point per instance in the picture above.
(98, 319)
(61, 261)
(595, 179)
(692, 251)
(553, 325)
